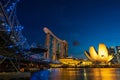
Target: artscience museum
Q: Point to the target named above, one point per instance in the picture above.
(102, 55)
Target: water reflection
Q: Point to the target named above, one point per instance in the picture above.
(65, 74)
(105, 73)
(41, 75)
(78, 74)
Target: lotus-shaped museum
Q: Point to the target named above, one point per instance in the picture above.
(101, 56)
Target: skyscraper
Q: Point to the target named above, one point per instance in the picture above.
(111, 50)
(118, 49)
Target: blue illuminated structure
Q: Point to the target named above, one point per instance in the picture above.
(11, 25)
(13, 45)
(11, 30)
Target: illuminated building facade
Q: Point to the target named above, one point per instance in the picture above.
(72, 62)
(101, 56)
(69, 61)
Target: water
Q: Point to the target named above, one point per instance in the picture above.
(78, 74)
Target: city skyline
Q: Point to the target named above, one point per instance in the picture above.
(81, 23)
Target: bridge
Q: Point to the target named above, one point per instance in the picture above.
(14, 48)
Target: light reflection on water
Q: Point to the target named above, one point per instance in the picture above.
(78, 74)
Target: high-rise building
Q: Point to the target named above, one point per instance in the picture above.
(111, 50)
(117, 56)
(118, 49)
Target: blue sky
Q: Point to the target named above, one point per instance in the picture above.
(89, 22)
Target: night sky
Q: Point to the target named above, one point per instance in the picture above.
(82, 23)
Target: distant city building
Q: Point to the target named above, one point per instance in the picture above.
(111, 50)
(116, 59)
(117, 55)
(118, 49)
(69, 61)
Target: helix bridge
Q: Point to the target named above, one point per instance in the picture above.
(15, 52)
(14, 48)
